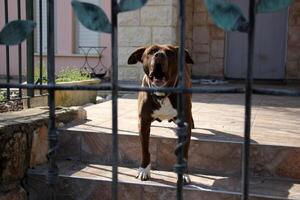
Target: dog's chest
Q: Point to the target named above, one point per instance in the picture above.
(166, 111)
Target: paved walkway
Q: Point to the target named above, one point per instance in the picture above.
(218, 117)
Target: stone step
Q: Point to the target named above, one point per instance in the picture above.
(216, 157)
(88, 181)
(216, 140)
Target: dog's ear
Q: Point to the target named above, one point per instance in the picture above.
(136, 56)
(188, 57)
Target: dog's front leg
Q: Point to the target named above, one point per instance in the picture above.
(144, 131)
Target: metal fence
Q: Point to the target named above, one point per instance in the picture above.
(29, 77)
(115, 87)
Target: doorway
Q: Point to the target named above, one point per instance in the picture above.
(269, 51)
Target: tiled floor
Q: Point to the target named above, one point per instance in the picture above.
(275, 119)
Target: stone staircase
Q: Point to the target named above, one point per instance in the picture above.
(215, 153)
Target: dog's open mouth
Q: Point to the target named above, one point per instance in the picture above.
(157, 76)
(159, 82)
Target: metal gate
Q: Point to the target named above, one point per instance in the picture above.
(227, 16)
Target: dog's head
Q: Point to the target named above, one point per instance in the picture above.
(159, 62)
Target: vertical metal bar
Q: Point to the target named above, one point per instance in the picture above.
(248, 102)
(20, 51)
(114, 45)
(7, 53)
(181, 165)
(41, 42)
(52, 133)
(30, 49)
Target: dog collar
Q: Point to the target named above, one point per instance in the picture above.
(160, 95)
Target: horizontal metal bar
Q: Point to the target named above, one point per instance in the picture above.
(277, 92)
(99, 47)
(25, 97)
(129, 88)
(123, 88)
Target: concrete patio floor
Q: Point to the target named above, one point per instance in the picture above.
(215, 161)
(275, 119)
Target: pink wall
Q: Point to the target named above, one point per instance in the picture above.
(65, 39)
(106, 38)
(12, 6)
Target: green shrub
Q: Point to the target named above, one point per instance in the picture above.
(69, 75)
(2, 97)
(37, 73)
(65, 75)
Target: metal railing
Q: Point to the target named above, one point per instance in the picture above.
(94, 70)
(115, 87)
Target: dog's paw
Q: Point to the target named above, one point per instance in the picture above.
(144, 173)
(186, 179)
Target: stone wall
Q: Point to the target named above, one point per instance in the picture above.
(293, 51)
(154, 23)
(157, 22)
(24, 144)
(208, 44)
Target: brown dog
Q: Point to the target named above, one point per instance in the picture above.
(161, 70)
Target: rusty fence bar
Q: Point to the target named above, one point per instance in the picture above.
(30, 49)
(52, 132)
(41, 78)
(180, 166)
(19, 51)
(114, 82)
(7, 52)
(248, 102)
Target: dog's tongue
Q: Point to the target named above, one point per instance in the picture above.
(158, 82)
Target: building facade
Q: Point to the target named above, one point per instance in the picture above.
(69, 36)
(216, 53)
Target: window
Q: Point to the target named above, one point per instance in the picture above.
(87, 37)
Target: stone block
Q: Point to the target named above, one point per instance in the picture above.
(131, 73)
(189, 44)
(294, 36)
(201, 48)
(295, 7)
(157, 16)
(292, 69)
(131, 18)
(200, 18)
(201, 58)
(39, 147)
(160, 2)
(201, 35)
(294, 19)
(134, 36)
(200, 69)
(163, 35)
(293, 53)
(13, 156)
(217, 66)
(217, 48)
(124, 53)
(15, 194)
(216, 33)
(199, 6)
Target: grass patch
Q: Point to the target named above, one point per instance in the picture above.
(2, 97)
(65, 75)
(70, 75)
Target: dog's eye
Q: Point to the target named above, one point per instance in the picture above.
(152, 51)
(170, 53)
